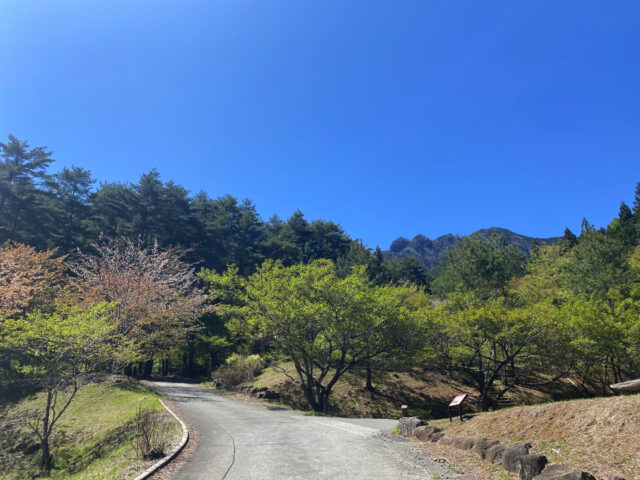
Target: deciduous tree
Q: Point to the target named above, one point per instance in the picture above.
(157, 295)
(60, 349)
(325, 324)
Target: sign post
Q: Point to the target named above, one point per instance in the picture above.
(457, 402)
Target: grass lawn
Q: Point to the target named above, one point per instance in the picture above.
(92, 440)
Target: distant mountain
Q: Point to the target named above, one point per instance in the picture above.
(431, 252)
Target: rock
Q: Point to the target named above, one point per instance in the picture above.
(494, 454)
(557, 471)
(398, 244)
(463, 443)
(407, 425)
(154, 452)
(532, 465)
(217, 384)
(613, 476)
(424, 432)
(446, 440)
(483, 445)
(436, 436)
(512, 456)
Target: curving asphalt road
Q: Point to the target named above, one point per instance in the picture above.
(240, 441)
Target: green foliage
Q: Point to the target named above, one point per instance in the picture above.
(68, 211)
(307, 291)
(61, 345)
(324, 323)
(483, 341)
(58, 349)
(482, 266)
(25, 213)
(239, 369)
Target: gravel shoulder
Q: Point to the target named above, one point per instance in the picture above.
(240, 441)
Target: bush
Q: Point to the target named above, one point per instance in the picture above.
(152, 434)
(238, 369)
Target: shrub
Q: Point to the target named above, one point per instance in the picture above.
(238, 369)
(152, 434)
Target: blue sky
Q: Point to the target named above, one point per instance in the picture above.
(390, 118)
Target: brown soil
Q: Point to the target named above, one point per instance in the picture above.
(426, 392)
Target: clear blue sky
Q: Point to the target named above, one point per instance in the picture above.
(389, 117)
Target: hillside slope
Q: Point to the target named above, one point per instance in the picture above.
(431, 252)
(597, 435)
(426, 392)
(93, 439)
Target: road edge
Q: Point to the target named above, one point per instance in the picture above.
(158, 465)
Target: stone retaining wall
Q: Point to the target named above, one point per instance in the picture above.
(516, 458)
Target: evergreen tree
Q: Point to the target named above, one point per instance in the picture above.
(25, 208)
(113, 207)
(73, 188)
(569, 239)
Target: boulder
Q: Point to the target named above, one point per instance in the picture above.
(557, 471)
(446, 440)
(407, 425)
(532, 465)
(463, 443)
(494, 454)
(435, 437)
(424, 432)
(512, 456)
(613, 476)
(483, 445)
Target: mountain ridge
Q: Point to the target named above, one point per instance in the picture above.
(431, 252)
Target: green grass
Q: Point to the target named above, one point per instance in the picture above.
(92, 440)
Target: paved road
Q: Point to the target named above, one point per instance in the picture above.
(240, 441)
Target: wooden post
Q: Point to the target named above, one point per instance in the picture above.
(404, 410)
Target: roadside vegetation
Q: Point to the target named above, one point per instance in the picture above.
(95, 439)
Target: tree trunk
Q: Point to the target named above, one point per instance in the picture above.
(190, 366)
(485, 400)
(185, 363)
(148, 368)
(368, 386)
(45, 457)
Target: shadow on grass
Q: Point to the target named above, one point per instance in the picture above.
(70, 459)
(14, 391)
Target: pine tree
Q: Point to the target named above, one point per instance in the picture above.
(25, 208)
